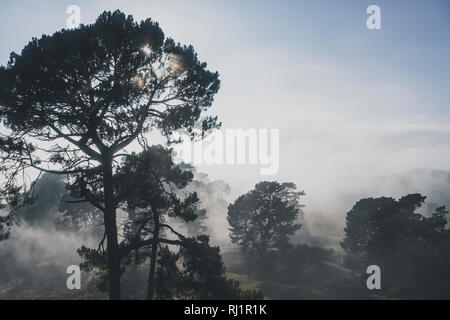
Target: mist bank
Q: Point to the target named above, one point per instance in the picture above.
(40, 249)
(325, 209)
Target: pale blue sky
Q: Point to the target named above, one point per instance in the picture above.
(350, 102)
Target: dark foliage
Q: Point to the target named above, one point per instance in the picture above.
(197, 272)
(73, 101)
(297, 265)
(413, 251)
(264, 218)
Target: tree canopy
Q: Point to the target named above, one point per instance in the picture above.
(71, 103)
(264, 218)
(412, 250)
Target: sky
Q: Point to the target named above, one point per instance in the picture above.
(351, 103)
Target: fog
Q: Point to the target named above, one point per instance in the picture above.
(351, 104)
(323, 214)
(37, 256)
(361, 113)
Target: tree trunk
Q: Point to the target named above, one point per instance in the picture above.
(154, 254)
(111, 234)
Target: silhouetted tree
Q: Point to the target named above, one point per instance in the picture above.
(201, 277)
(78, 214)
(212, 201)
(151, 189)
(72, 102)
(151, 184)
(5, 224)
(148, 187)
(53, 205)
(413, 251)
(48, 191)
(264, 218)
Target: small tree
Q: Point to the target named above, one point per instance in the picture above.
(264, 218)
(72, 102)
(148, 187)
(201, 277)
